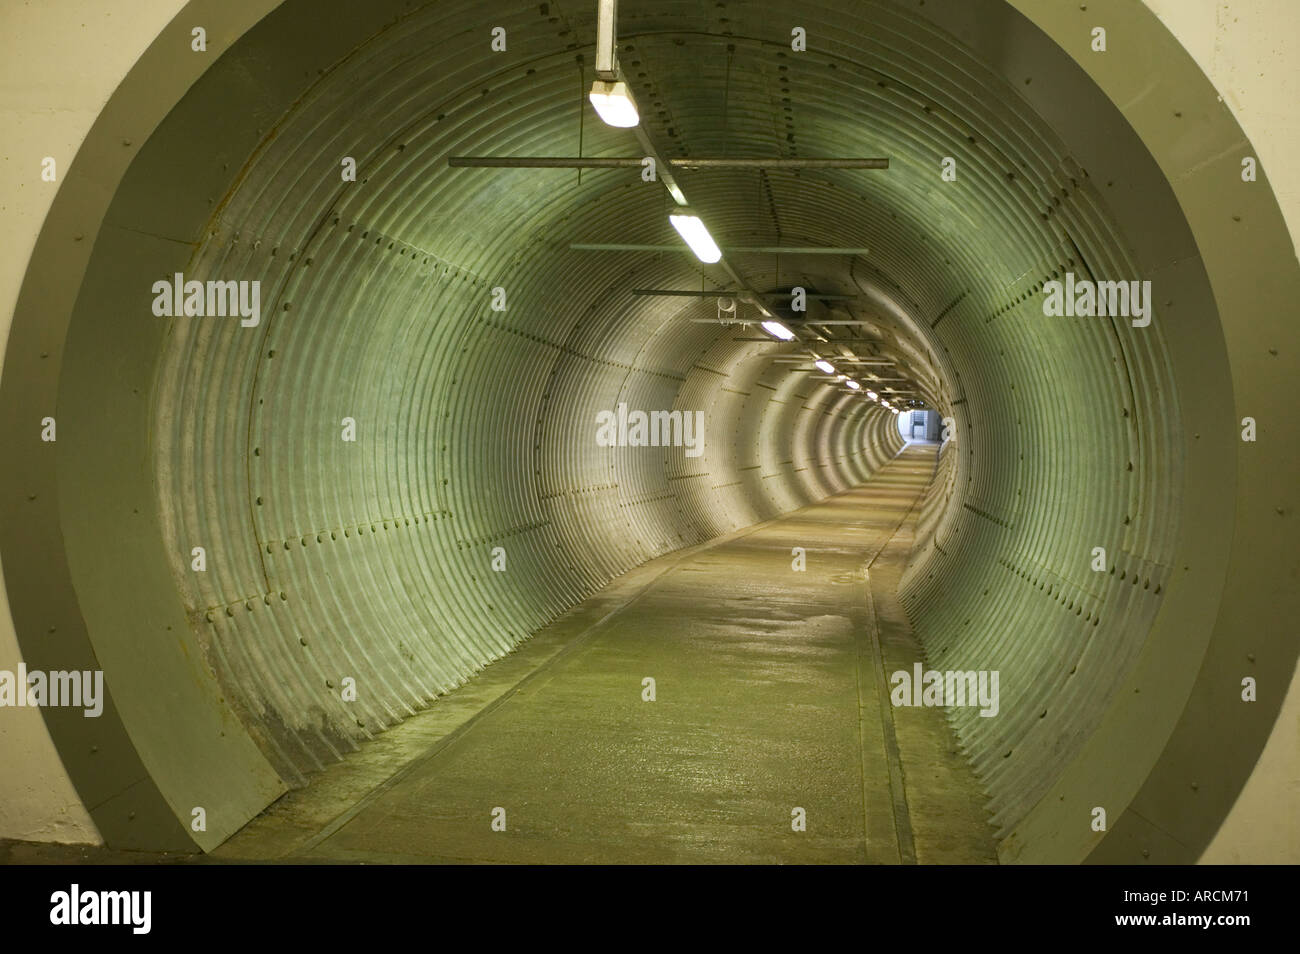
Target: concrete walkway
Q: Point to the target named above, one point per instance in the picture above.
(771, 696)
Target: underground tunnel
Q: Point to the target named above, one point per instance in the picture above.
(420, 502)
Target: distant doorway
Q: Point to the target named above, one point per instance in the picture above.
(919, 425)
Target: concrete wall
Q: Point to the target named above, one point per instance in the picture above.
(1251, 51)
(60, 63)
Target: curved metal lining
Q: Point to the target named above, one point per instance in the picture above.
(477, 425)
(373, 559)
(571, 311)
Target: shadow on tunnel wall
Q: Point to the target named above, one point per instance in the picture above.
(440, 318)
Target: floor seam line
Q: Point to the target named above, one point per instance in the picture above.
(903, 835)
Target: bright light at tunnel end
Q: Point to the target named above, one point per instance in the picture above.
(613, 104)
(691, 229)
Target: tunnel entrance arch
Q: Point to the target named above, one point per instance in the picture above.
(170, 739)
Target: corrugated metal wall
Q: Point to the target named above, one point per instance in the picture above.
(475, 428)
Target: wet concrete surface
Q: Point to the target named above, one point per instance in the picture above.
(771, 703)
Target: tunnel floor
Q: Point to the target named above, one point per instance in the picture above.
(771, 695)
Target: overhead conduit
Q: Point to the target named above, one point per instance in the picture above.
(475, 428)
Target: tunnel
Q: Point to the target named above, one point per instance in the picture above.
(289, 533)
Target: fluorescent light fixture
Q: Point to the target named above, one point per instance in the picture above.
(873, 395)
(826, 366)
(778, 330)
(614, 104)
(853, 384)
(692, 229)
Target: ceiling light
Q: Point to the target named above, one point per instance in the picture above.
(853, 384)
(613, 102)
(873, 395)
(692, 229)
(778, 330)
(826, 366)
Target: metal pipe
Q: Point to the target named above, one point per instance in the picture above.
(801, 250)
(729, 293)
(607, 40)
(782, 163)
(740, 249)
(540, 162)
(662, 166)
(628, 162)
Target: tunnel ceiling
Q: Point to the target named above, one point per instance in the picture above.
(475, 427)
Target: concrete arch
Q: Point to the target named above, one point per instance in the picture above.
(1070, 434)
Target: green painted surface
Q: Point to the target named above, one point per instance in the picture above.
(766, 700)
(372, 560)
